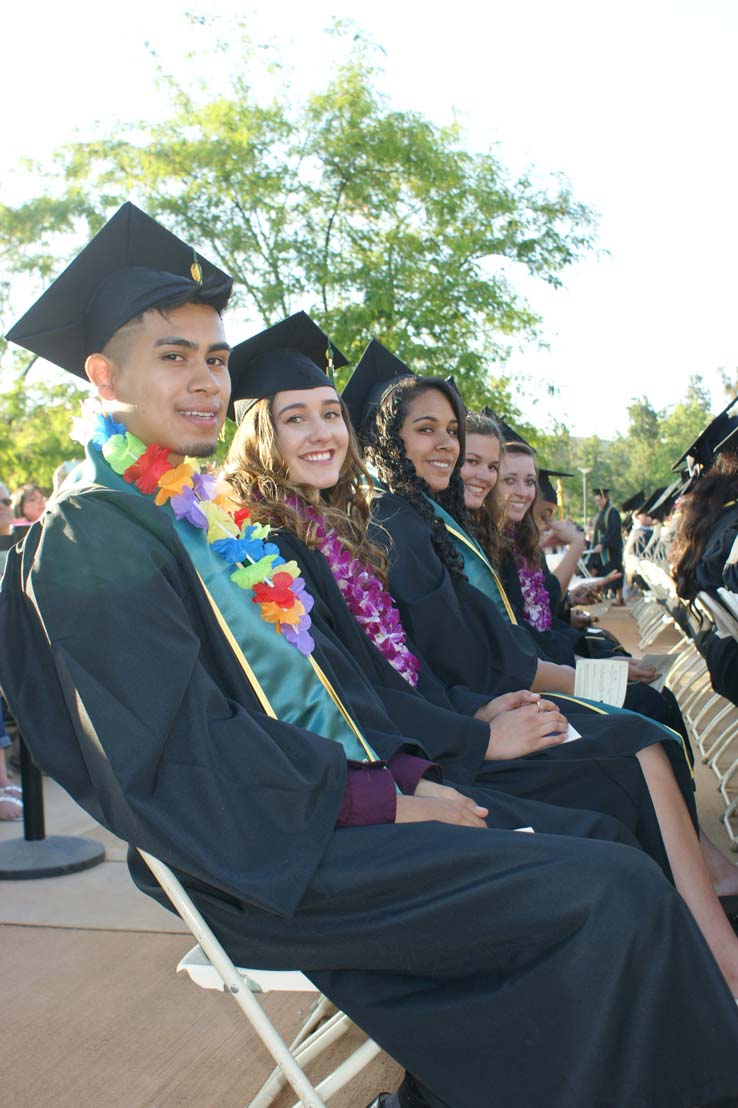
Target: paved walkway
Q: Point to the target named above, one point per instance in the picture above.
(93, 1013)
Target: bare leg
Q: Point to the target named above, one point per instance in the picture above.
(723, 872)
(687, 862)
(4, 779)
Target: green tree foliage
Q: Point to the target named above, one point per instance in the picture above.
(34, 431)
(374, 220)
(640, 459)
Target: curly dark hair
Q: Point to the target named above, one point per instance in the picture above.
(523, 539)
(486, 523)
(386, 452)
(698, 511)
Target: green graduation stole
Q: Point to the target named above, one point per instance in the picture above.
(477, 566)
(601, 524)
(288, 685)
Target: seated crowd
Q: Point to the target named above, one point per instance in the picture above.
(330, 684)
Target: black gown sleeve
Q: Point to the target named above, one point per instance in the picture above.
(458, 630)
(423, 720)
(131, 697)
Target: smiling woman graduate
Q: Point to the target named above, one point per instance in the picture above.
(433, 562)
(294, 466)
(163, 688)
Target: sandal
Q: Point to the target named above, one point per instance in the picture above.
(11, 808)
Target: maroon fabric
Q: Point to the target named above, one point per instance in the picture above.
(407, 770)
(370, 795)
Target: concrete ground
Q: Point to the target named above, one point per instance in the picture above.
(93, 1012)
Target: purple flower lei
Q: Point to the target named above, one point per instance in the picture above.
(535, 595)
(369, 603)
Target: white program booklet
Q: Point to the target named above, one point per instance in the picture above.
(604, 679)
(572, 734)
(596, 610)
(662, 663)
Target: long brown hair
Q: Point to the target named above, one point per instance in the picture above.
(258, 477)
(486, 522)
(524, 537)
(698, 511)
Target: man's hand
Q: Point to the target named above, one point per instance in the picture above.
(589, 591)
(439, 803)
(506, 703)
(525, 731)
(566, 532)
(638, 672)
(580, 620)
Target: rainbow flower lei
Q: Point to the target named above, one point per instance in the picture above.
(369, 603)
(278, 588)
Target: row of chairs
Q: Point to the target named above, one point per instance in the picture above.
(712, 720)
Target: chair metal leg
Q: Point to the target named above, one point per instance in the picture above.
(319, 1012)
(713, 749)
(347, 1070)
(325, 1035)
(235, 985)
(725, 744)
(713, 722)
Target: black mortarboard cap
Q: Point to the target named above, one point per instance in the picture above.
(730, 442)
(651, 499)
(689, 480)
(601, 491)
(292, 354)
(702, 450)
(132, 264)
(549, 473)
(664, 503)
(633, 503)
(545, 484)
(376, 370)
(509, 434)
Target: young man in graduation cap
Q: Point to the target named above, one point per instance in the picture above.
(162, 675)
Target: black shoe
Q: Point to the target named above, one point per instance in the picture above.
(385, 1100)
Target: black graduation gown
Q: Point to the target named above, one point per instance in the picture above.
(558, 644)
(712, 573)
(588, 777)
(464, 638)
(443, 617)
(608, 533)
(456, 949)
(563, 643)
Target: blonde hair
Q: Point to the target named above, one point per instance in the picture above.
(258, 476)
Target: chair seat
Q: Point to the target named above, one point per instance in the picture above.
(199, 969)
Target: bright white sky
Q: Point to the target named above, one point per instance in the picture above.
(635, 103)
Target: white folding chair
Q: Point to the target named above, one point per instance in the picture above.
(208, 965)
